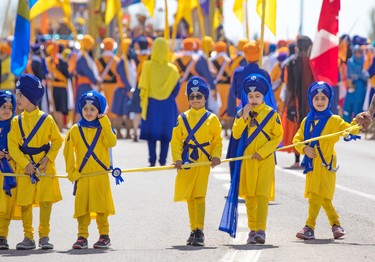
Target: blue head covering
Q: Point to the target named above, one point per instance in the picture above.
(97, 100)
(273, 47)
(252, 83)
(322, 117)
(30, 87)
(8, 182)
(197, 84)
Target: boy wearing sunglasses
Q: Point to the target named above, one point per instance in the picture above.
(195, 138)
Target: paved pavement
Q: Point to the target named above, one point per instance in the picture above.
(149, 226)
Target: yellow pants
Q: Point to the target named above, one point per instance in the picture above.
(257, 212)
(197, 209)
(315, 203)
(4, 226)
(85, 220)
(44, 220)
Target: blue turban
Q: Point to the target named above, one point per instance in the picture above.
(254, 83)
(7, 96)
(320, 87)
(98, 99)
(197, 84)
(30, 87)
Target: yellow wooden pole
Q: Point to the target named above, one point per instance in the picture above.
(260, 62)
(166, 27)
(201, 20)
(246, 11)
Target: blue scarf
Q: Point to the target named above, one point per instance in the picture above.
(9, 181)
(237, 148)
(312, 130)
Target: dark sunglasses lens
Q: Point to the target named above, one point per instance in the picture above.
(198, 97)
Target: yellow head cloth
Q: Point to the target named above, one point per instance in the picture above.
(158, 77)
(207, 45)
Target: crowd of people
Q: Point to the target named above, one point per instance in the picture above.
(140, 87)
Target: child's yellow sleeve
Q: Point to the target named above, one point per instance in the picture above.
(176, 141)
(299, 137)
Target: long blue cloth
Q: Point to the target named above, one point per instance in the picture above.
(229, 218)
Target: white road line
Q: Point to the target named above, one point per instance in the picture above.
(241, 237)
(343, 188)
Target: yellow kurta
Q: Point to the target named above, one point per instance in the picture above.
(93, 194)
(48, 188)
(321, 181)
(8, 208)
(192, 183)
(257, 176)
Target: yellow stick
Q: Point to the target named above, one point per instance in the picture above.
(197, 164)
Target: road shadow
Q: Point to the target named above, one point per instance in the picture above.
(251, 247)
(191, 248)
(24, 253)
(89, 251)
(331, 241)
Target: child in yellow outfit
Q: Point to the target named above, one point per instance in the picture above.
(8, 184)
(87, 150)
(195, 138)
(34, 141)
(261, 127)
(320, 158)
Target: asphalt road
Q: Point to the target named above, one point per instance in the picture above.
(149, 226)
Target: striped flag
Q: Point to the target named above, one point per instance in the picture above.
(324, 53)
(21, 42)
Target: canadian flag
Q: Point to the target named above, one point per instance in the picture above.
(324, 53)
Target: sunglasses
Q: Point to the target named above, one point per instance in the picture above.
(198, 97)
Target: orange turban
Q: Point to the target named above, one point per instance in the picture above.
(108, 43)
(5, 48)
(220, 47)
(188, 44)
(87, 42)
(241, 43)
(198, 44)
(252, 51)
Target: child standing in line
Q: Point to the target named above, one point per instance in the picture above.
(34, 141)
(320, 158)
(195, 138)
(87, 150)
(260, 127)
(8, 184)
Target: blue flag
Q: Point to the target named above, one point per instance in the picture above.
(125, 3)
(21, 42)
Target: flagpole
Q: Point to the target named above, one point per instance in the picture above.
(166, 27)
(262, 33)
(201, 21)
(247, 20)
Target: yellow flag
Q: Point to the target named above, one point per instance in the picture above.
(42, 6)
(270, 13)
(150, 6)
(113, 7)
(184, 12)
(238, 9)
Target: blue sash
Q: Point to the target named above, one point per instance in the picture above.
(9, 181)
(229, 217)
(191, 132)
(90, 149)
(33, 150)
